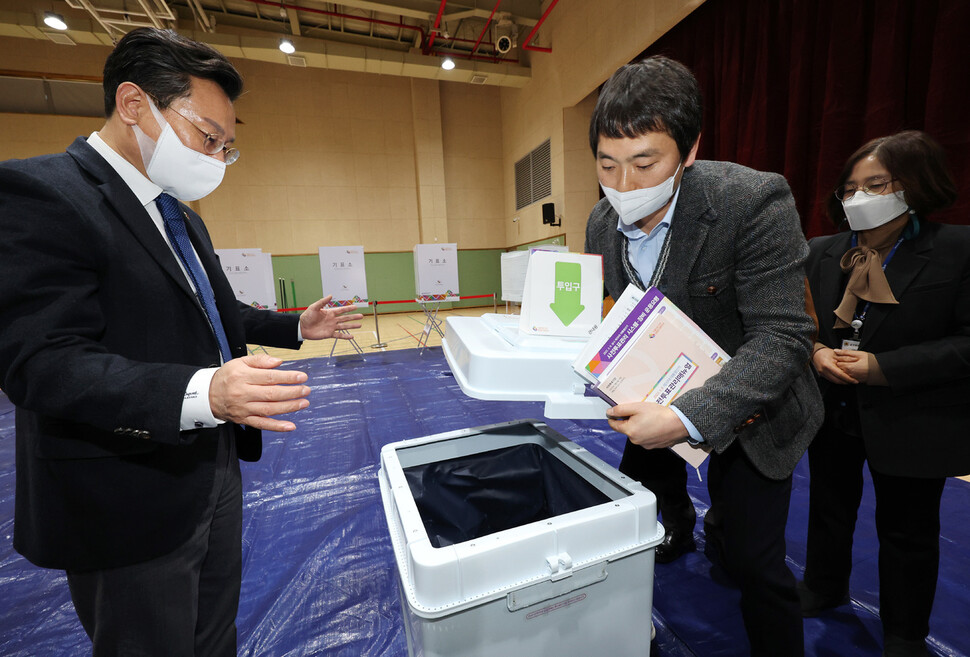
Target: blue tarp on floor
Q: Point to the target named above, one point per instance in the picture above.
(318, 568)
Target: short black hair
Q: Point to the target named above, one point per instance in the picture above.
(162, 63)
(656, 94)
(916, 161)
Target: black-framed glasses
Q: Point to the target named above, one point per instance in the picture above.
(214, 143)
(874, 188)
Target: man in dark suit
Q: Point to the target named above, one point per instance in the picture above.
(723, 242)
(124, 351)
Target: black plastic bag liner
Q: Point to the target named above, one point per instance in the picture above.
(465, 498)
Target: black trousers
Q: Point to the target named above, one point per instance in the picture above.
(752, 512)
(183, 603)
(752, 515)
(907, 525)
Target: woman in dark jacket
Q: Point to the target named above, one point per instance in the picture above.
(892, 296)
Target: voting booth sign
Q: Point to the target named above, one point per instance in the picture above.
(343, 275)
(250, 273)
(436, 272)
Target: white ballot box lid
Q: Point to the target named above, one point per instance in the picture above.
(491, 359)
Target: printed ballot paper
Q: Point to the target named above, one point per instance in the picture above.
(647, 349)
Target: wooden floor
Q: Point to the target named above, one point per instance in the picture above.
(397, 331)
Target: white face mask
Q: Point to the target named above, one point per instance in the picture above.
(186, 174)
(864, 211)
(634, 205)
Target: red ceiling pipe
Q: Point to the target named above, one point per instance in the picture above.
(434, 30)
(335, 14)
(536, 27)
(487, 23)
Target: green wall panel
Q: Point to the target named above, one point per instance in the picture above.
(390, 277)
(558, 240)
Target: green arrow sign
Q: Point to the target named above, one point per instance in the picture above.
(566, 304)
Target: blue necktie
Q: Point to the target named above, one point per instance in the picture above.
(175, 227)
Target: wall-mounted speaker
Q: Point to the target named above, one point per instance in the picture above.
(549, 214)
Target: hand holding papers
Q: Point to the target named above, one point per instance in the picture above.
(647, 349)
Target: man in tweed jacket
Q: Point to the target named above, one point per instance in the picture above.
(724, 243)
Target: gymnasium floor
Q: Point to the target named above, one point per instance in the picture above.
(318, 570)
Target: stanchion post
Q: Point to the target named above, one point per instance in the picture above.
(282, 286)
(494, 304)
(377, 331)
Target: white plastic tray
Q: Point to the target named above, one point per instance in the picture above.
(492, 360)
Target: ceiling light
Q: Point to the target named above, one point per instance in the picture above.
(447, 63)
(54, 20)
(287, 46)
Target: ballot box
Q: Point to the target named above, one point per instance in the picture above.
(510, 539)
(493, 360)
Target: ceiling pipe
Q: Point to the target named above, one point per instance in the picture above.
(535, 28)
(434, 30)
(485, 29)
(335, 14)
(416, 28)
(480, 58)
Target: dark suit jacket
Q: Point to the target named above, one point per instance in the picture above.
(100, 334)
(919, 425)
(735, 267)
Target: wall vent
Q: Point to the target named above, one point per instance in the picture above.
(296, 60)
(533, 176)
(61, 38)
(479, 79)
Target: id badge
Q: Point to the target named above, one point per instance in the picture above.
(850, 345)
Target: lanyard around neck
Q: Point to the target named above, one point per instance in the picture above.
(860, 317)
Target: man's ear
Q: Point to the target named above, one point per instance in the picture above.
(130, 103)
(689, 160)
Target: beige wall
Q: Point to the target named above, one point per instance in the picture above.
(26, 135)
(332, 157)
(472, 131)
(589, 41)
(326, 159)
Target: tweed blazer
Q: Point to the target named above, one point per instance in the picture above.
(735, 267)
(99, 336)
(918, 425)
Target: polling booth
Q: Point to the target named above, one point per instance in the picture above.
(343, 277)
(508, 538)
(250, 273)
(435, 282)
